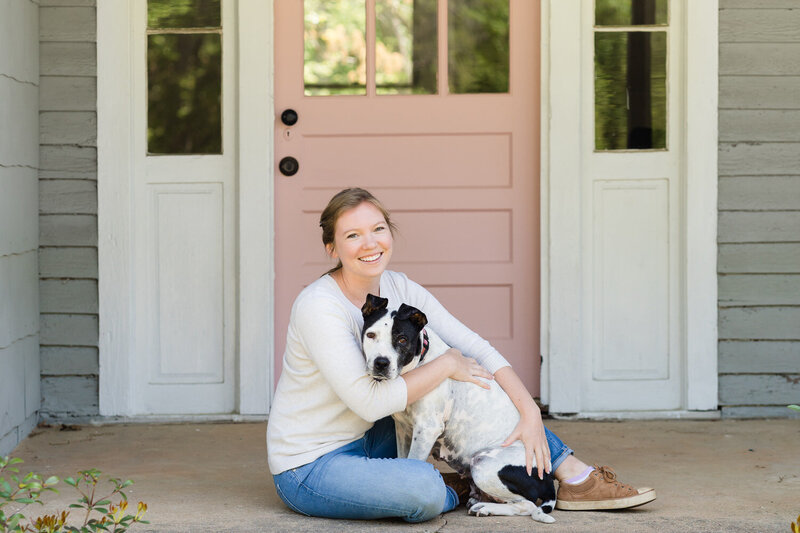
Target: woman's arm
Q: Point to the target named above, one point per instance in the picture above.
(450, 364)
(450, 329)
(530, 429)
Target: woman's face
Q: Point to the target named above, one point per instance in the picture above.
(362, 241)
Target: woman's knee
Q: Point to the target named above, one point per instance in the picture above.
(427, 499)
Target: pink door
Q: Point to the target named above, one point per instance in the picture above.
(437, 113)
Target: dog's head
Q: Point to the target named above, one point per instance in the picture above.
(391, 339)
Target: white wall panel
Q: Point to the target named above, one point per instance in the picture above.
(19, 302)
(19, 136)
(19, 231)
(19, 31)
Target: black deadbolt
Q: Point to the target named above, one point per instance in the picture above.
(289, 166)
(289, 117)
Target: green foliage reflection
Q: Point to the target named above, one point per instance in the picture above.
(183, 14)
(335, 47)
(630, 12)
(478, 46)
(630, 90)
(184, 88)
(405, 46)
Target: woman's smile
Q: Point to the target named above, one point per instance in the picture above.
(371, 258)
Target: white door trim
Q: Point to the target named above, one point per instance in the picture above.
(562, 322)
(255, 199)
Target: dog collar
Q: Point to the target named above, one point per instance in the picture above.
(425, 344)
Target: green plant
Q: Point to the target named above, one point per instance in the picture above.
(795, 407)
(100, 514)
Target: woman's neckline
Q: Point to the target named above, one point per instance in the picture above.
(344, 295)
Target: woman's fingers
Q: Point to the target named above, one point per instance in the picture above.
(540, 463)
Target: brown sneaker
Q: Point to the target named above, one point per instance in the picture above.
(601, 491)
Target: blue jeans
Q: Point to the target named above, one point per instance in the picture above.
(366, 480)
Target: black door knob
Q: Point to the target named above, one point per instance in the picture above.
(288, 166)
(289, 117)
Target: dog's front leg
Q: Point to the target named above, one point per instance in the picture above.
(422, 442)
(403, 436)
(428, 421)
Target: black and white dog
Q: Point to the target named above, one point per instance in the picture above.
(462, 424)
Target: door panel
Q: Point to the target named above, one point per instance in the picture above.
(459, 173)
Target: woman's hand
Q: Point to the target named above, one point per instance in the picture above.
(530, 430)
(467, 369)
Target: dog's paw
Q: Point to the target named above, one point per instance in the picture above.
(540, 516)
(478, 509)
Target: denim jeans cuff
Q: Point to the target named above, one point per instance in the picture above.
(561, 458)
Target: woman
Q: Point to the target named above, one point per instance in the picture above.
(331, 443)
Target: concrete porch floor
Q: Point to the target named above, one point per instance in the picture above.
(724, 475)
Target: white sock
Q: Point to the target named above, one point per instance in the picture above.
(580, 478)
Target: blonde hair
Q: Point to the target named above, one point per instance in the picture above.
(342, 201)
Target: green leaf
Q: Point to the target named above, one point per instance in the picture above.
(127, 483)
(15, 461)
(103, 510)
(76, 506)
(25, 500)
(795, 407)
(70, 481)
(15, 518)
(52, 480)
(104, 502)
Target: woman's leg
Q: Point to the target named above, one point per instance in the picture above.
(565, 464)
(362, 481)
(559, 452)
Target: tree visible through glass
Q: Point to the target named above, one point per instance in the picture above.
(184, 77)
(630, 79)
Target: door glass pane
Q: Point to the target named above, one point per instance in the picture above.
(630, 89)
(184, 77)
(406, 46)
(630, 12)
(183, 14)
(477, 39)
(335, 47)
(184, 84)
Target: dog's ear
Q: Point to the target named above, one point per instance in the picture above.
(417, 317)
(373, 303)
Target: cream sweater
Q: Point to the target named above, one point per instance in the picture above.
(324, 398)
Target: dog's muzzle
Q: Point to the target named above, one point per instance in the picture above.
(380, 368)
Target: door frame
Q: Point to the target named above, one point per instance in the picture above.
(115, 83)
(561, 207)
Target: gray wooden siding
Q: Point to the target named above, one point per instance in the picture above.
(68, 208)
(19, 162)
(759, 207)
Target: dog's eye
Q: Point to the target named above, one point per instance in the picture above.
(371, 335)
(402, 340)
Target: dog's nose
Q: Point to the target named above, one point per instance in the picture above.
(381, 365)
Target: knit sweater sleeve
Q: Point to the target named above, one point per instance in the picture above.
(449, 328)
(329, 336)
